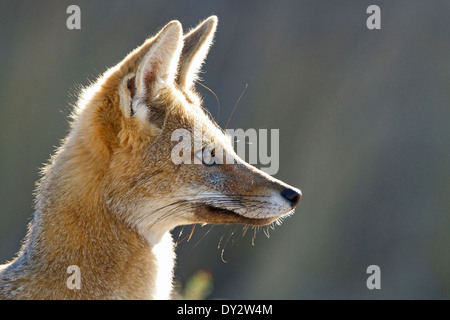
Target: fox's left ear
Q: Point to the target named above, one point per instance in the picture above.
(195, 48)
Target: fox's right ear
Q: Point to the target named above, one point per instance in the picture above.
(148, 68)
(196, 46)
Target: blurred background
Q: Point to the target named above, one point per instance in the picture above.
(364, 119)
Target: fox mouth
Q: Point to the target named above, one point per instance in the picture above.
(211, 214)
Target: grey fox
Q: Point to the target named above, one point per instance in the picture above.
(110, 196)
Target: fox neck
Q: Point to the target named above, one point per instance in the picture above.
(73, 227)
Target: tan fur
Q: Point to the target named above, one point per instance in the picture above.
(111, 194)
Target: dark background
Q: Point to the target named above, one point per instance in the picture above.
(364, 123)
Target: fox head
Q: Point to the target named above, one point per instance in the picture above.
(123, 132)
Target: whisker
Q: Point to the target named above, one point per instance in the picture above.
(232, 112)
(244, 230)
(192, 232)
(235, 239)
(220, 241)
(266, 232)
(228, 239)
(221, 256)
(179, 235)
(254, 236)
(203, 236)
(180, 241)
(217, 99)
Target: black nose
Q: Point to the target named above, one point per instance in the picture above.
(292, 196)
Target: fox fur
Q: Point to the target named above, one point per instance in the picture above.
(110, 195)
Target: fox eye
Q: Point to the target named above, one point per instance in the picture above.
(207, 156)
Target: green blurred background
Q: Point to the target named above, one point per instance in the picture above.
(364, 121)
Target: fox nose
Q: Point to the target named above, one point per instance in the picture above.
(292, 196)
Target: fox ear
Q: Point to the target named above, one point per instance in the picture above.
(195, 48)
(159, 65)
(147, 69)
